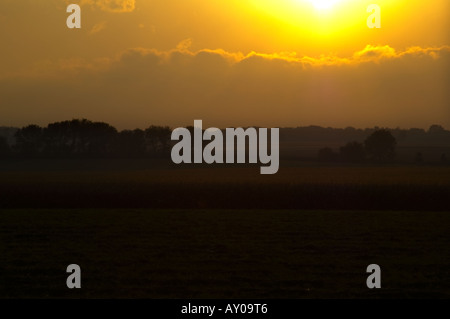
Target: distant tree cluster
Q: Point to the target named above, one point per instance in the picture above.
(378, 147)
(436, 134)
(87, 139)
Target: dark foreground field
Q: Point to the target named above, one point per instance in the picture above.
(100, 184)
(224, 253)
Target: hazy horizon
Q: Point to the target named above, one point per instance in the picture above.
(207, 125)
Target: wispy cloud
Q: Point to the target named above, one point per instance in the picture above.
(182, 52)
(112, 5)
(98, 27)
(377, 85)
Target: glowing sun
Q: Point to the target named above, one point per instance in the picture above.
(323, 4)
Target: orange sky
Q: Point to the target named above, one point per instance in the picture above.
(230, 63)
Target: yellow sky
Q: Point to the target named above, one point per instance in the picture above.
(236, 62)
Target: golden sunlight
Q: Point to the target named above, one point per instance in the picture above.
(323, 4)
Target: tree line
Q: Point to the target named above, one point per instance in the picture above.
(81, 138)
(379, 147)
(86, 139)
(433, 136)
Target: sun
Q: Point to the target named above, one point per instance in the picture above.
(323, 4)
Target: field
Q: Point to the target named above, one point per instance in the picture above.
(152, 230)
(224, 254)
(140, 184)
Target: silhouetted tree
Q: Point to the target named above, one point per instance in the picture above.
(61, 139)
(380, 145)
(158, 140)
(79, 138)
(131, 143)
(353, 152)
(101, 137)
(436, 129)
(4, 148)
(30, 141)
(326, 154)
